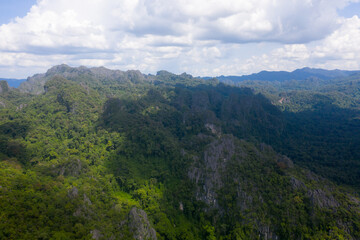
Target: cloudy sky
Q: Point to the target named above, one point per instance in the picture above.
(200, 37)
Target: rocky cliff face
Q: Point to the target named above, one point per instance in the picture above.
(140, 226)
(213, 175)
(34, 84)
(4, 87)
(207, 170)
(94, 76)
(236, 180)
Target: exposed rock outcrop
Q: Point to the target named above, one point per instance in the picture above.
(321, 199)
(71, 167)
(297, 184)
(21, 106)
(96, 234)
(207, 171)
(73, 193)
(215, 172)
(4, 87)
(96, 75)
(139, 225)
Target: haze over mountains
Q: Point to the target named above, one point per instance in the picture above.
(280, 76)
(298, 74)
(13, 82)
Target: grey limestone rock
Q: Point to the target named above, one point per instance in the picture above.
(36, 83)
(208, 171)
(71, 167)
(4, 87)
(139, 225)
(96, 234)
(297, 184)
(321, 199)
(73, 193)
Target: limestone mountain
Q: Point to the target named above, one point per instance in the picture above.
(93, 153)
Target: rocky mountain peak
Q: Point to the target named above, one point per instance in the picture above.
(4, 87)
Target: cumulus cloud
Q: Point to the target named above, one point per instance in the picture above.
(339, 50)
(180, 35)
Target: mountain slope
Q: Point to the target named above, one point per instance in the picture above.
(166, 157)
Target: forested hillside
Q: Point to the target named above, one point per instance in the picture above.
(322, 118)
(92, 153)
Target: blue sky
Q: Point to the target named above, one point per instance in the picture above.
(350, 10)
(201, 37)
(11, 9)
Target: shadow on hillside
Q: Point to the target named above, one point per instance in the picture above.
(167, 119)
(9, 146)
(324, 139)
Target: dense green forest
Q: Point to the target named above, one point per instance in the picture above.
(322, 123)
(92, 153)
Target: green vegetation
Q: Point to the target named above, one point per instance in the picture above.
(203, 160)
(322, 124)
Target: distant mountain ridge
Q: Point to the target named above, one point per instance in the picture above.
(13, 82)
(100, 77)
(271, 76)
(281, 76)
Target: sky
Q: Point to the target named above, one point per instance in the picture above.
(200, 37)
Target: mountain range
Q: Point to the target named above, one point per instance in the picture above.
(298, 74)
(93, 153)
(279, 76)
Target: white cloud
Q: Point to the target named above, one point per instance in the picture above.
(198, 36)
(342, 43)
(339, 50)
